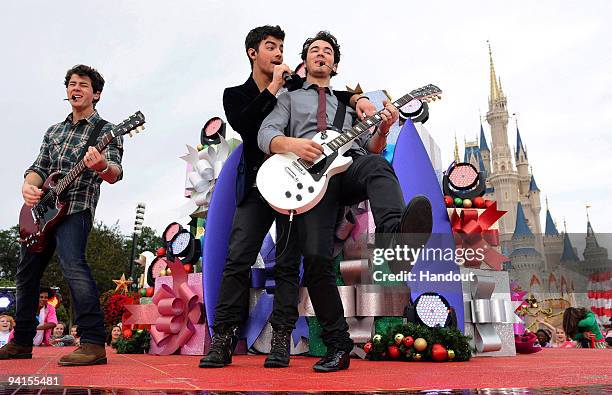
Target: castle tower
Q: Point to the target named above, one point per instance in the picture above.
(595, 256)
(535, 206)
(527, 261)
(522, 164)
(553, 242)
(503, 178)
(485, 152)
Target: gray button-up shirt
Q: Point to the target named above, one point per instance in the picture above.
(295, 115)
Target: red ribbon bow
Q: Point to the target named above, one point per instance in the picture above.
(473, 231)
(173, 314)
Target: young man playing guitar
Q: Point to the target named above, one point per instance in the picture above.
(62, 148)
(246, 106)
(301, 114)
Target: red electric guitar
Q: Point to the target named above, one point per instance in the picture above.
(37, 221)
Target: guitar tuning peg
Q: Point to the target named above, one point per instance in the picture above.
(130, 133)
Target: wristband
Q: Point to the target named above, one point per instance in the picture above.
(106, 169)
(383, 134)
(361, 97)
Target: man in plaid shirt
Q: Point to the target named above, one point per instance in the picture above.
(61, 149)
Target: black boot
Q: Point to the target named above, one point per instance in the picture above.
(333, 361)
(221, 349)
(279, 352)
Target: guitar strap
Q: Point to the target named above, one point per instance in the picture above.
(93, 137)
(339, 117)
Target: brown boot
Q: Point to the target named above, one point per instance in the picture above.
(15, 351)
(86, 354)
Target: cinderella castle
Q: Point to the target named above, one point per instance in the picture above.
(544, 263)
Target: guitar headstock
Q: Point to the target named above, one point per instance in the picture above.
(427, 93)
(133, 124)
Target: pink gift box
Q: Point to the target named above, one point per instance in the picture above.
(199, 343)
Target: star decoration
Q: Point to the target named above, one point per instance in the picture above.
(122, 284)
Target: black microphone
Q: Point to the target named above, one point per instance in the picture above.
(73, 97)
(292, 81)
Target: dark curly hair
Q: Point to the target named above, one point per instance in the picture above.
(327, 37)
(97, 81)
(258, 34)
(571, 317)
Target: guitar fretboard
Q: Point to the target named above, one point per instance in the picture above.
(80, 167)
(363, 126)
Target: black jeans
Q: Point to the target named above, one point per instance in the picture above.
(312, 236)
(372, 177)
(252, 221)
(70, 238)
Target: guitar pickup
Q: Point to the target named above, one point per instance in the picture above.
(298, 167)
(291, 174)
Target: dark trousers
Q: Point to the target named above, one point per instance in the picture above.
(372, 177)
(70, 239)
(252, 221)
(312, 236)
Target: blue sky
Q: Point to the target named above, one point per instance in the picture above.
(172, 62)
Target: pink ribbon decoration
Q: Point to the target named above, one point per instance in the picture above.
(473, 231)
(173, 315)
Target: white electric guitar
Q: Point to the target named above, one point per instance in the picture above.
(293, 185)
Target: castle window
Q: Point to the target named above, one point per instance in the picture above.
(503, 168)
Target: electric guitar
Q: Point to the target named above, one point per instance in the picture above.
(37, 221)
(292, 185)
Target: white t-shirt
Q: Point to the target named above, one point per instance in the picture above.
(4, 336)
(40, 334)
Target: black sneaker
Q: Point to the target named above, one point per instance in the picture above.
(279, 352)
(221, 349)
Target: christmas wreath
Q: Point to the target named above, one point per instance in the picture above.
(416, 342)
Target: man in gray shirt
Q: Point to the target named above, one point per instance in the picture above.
(289, 128)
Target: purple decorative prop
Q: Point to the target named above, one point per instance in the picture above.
(218, 228)
(417, 177)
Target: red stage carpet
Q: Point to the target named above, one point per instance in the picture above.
(549, 368)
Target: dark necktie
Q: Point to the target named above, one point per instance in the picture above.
(321, 112)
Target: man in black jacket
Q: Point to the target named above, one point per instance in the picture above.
(246, 106)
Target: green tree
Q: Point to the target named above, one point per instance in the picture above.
(9, 252)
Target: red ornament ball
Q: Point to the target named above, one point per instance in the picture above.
(439, 353)
(149, 292)
(488, 203)
(393, 352)
(161, 251)
(408, 341)
(448, 201)
(367, 347)
(188, 268)
(479, 202)
(467, 203)
(127, 333)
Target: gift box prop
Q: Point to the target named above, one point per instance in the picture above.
(489, 312)
(175, 316)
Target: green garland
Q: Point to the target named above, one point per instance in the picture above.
(450, 338)
(138, 343)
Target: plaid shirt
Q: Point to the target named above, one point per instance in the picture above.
(61, 150)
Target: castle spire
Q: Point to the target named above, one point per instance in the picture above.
(483, 141)
(456, 150)
(495, 93)
(551, 228)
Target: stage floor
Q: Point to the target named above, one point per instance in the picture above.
(548, 368)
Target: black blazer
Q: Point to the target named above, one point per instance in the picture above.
(246, 108)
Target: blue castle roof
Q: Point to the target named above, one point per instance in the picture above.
(551, 229)
(519, 145)
(532, 185)
(483, 140)
(568, 254)
(521, 228)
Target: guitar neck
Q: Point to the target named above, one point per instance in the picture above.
(74, 173)
(363, 126)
